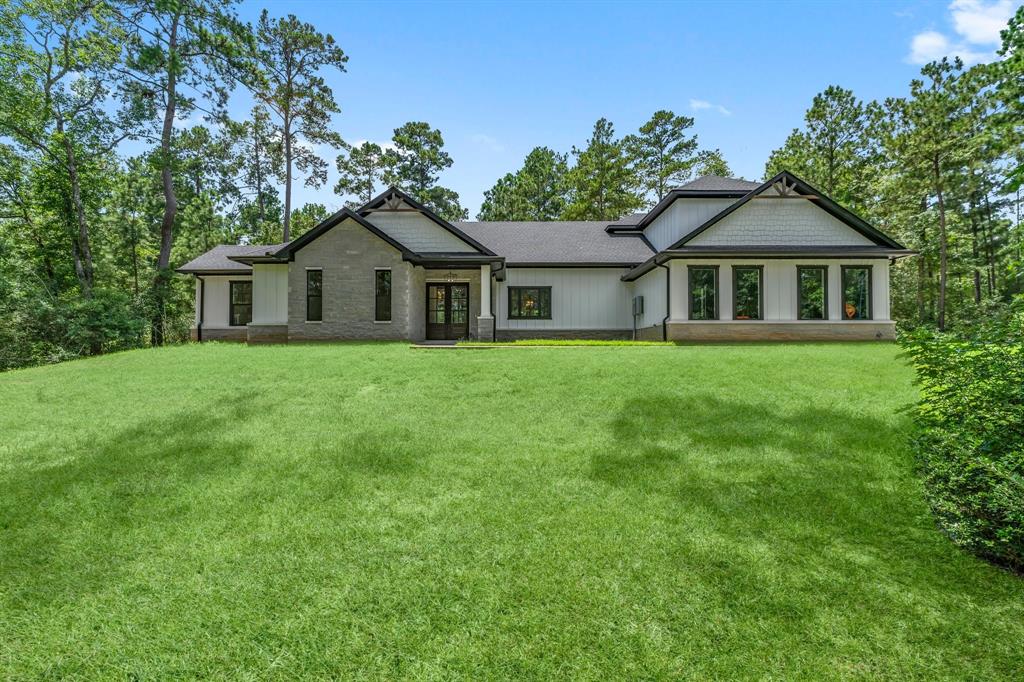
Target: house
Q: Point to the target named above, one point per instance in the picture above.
(716, 259)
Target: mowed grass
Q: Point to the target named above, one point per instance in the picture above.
(377, 511)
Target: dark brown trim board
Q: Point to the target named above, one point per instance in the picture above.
(689, 289)
(843, 269)
(508, 311)
(231, 302)
(760, 289)
(799, 291)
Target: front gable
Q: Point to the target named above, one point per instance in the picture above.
(785, 211)
(780, 222)
(419, 233)
(406, 220)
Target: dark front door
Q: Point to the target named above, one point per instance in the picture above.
(447, 311)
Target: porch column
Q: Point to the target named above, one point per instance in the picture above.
(485, 290)
(485, 323)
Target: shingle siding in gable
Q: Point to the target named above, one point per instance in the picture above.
(418, 233)
(779, 222)
(682, 217)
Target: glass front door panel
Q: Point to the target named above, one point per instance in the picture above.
(460, 304)
(437, 304)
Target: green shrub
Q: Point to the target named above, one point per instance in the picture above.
(970, 436)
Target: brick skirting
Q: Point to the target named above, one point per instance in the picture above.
(268, 333)
(569, 334)
(782, 331)
(232, 334)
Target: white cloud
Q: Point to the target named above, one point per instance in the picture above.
(977, 24)
(487, 142)
(981, 23)
(699, 104)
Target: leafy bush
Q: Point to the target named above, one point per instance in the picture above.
(970, 437)
(37, 328)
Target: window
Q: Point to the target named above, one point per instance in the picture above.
(382, 295)
(529, 303)
(314, 295)
(856, 292)
(241, 304)
(703, 292)
(747, 298)
(812, 292)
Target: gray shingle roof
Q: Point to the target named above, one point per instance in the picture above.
(557, 242)
(216, 259)
(716, 183)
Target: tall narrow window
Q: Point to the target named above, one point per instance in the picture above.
(703, 292)
(747, 299)
(314, 295)
(382, 295)
(856, 292)
(241, 304)
(812, 292)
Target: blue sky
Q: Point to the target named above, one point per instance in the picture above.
(501, 78)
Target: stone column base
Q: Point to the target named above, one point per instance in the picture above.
(485, 328)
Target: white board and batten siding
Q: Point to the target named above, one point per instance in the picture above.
(581, 298)
(270, 294)
(652, 287)
(780, 286)
(417, 232)
(216, 294)
(682, 217)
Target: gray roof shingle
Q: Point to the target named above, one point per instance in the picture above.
(716, 183)
(557, 242)
(216, 259)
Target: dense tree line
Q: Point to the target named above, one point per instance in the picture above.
(608, 178)
(90, 234)
(119, 161)
(939, 169)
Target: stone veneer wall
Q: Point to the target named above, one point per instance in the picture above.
(348, 254)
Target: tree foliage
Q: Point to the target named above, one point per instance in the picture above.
(290, 55)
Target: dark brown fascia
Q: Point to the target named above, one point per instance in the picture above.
(845, 216)
(765, 253)
(667, 201)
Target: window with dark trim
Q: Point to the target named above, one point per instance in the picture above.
(529, 303)
(314, 295)
(703, 299)
(382, 295)
(812, 292)
(748, 292)
(856, 292)
(241, 304)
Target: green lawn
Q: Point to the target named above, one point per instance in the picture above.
(380, 511)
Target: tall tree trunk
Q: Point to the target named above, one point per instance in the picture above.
(943, 247)
(161, 281)
(974, 256)
(287, 178)
(990, 250)
(82, 251)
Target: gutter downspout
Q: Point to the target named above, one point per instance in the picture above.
(202, 308)
(668, 299)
